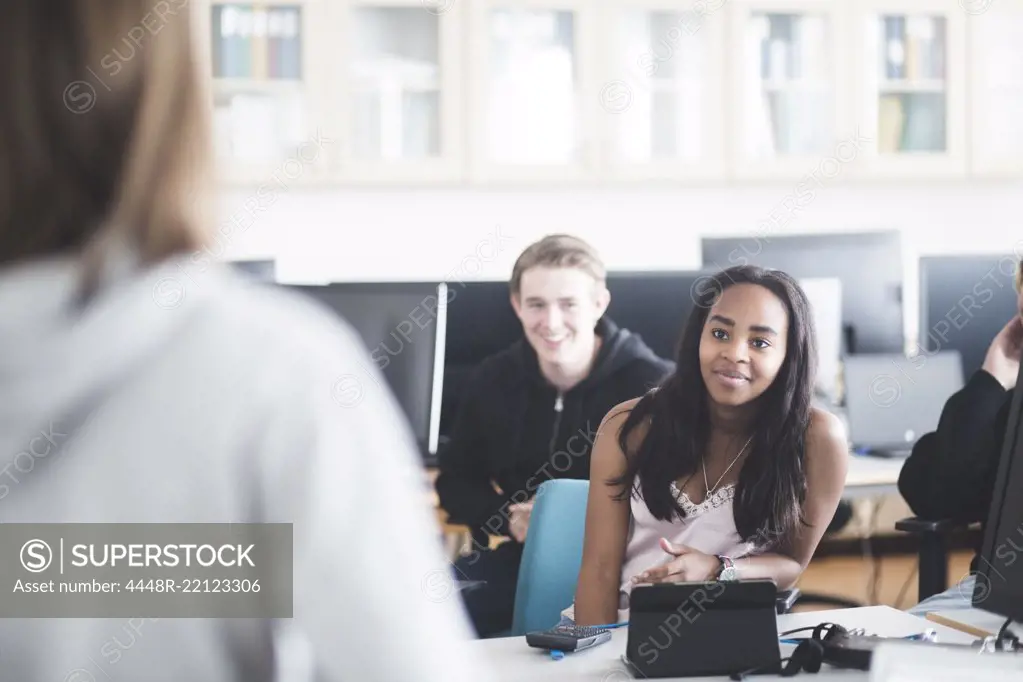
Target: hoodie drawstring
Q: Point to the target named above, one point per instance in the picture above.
(559, 406)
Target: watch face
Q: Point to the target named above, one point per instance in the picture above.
(728, 573)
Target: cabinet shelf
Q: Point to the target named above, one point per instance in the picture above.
(911, 86)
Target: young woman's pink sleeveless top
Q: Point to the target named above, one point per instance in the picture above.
(708, 527)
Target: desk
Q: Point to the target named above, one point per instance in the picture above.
(870, 476)
(515, 661)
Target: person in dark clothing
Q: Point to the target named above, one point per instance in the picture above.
(531, 412)
(951, 472)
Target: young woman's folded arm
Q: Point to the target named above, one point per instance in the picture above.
(607, 527)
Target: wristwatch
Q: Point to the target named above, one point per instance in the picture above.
(727, 571)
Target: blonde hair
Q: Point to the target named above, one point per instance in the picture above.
(105, 134)
(558, 251)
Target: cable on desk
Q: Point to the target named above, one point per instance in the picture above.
(792, 632)
(905, 585)
(1004, 636)
(867, 545)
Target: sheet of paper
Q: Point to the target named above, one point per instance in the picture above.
(905, 662)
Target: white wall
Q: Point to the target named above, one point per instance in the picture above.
(320, 234)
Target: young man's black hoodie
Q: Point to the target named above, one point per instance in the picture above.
(515, 430)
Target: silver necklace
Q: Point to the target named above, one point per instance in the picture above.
(703, 461)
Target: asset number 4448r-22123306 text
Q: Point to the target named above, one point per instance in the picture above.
(210, 585)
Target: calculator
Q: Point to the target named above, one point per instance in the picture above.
(568, 637)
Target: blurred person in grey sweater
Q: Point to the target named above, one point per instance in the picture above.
(201, 398)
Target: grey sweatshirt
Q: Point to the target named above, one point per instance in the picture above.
(212, 399)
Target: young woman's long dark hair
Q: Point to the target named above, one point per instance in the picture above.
(772, 482)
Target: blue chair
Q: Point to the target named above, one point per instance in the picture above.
(552, 555)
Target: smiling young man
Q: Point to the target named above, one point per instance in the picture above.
(531, 412)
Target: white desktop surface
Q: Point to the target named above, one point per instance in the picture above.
(515, 661)
(868, 475)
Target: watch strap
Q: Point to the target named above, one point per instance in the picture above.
(726, 572)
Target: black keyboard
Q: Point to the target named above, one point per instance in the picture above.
(568, 637)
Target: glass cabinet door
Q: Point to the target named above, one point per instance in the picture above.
(662, 91)
(789, 108)
(911, 82)
(395, 75)
(259, 62)
(532, 107)
(914, 85)
(528, 105)
(996, 97)
(394, 87)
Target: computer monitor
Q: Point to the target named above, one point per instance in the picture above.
(480, 323)
(261, 270)
(892, 400)
(999, 580)
(964, 302)
(403, 326)
(825, 296)
(869, 264)
(655, 305)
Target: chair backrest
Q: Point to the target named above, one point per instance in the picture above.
(551, 556)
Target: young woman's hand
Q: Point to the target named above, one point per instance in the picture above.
(1003, 356)
(688, 565)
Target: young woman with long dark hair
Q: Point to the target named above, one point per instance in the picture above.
(726, 471)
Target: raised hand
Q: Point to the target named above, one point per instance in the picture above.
(1003, 355)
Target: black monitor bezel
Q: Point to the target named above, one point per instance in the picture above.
(988, 590)
(431, 446)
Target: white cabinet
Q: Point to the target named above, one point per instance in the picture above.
(532, 99)
(911, 79)
(790, 104)
(493, 92)
(996, 88)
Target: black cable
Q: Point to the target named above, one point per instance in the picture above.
(874, 583)
(1005, 636)
(905, 585)
(792, 632)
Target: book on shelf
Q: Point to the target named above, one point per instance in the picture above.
(890, 123)
(257, 43)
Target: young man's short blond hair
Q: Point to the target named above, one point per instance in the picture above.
(558, 251)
